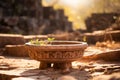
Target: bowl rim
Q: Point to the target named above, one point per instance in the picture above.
(71, 47)
(72, 43)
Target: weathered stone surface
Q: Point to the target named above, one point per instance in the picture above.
(30, 17)
(14, 66)
(60, 52)
(33, 78)
(42, 75)
(11, 39)
(28, 69)
(101, 21)
(25, 68)
(115, 76)
(67, 78)
(101, 36)
(109, 55)
(90, 38)
(16, 50)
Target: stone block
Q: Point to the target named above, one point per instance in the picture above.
(11, 39)
(16, 50)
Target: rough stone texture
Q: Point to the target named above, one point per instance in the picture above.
(11, 39)
(100, 36)
(115, 76)
(105, 54)
(101, 21)
(30, 17)
(90, 38)
(60, 52)
(25, 68)
(15, 68)
(16, 50)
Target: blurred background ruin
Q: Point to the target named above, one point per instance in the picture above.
(58, 16)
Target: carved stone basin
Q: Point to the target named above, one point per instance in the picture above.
(60, 53)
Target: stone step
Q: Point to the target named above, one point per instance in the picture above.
(11, 39)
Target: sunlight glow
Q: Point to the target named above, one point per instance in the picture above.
(75, 3)
(72, 3)
(76, 10)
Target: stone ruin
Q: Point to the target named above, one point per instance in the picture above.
(30, 17)
(102, 21)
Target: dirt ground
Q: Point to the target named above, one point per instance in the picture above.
(24, 68)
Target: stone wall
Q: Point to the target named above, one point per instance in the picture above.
(30, 17)
(101, 21)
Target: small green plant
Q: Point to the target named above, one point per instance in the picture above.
(50, 40)
(42, 42)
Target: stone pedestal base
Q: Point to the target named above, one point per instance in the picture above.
(62, 65)
(44, 65)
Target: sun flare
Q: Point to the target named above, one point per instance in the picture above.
(76, 3)
(72, 9)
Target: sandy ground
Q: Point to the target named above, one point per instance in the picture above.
(26, 68)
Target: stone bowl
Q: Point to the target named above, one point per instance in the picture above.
(59, 52)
